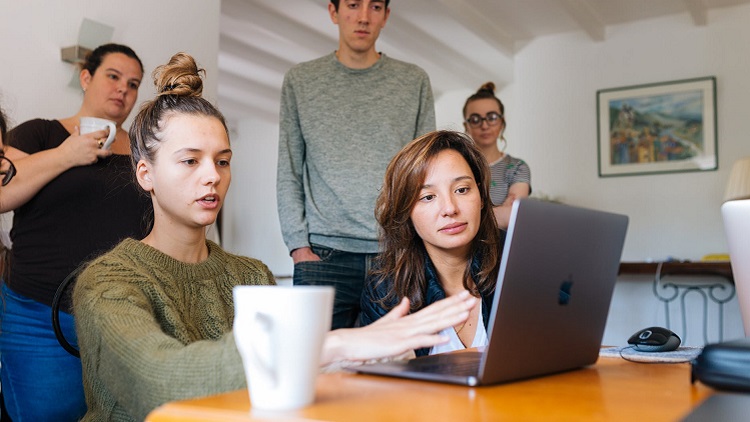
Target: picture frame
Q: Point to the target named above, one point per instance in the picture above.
(657, 128)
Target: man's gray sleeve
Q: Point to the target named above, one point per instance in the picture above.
(426, 120)
(290, 194)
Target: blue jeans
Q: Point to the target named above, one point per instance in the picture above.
(40, 380)
(346, 272)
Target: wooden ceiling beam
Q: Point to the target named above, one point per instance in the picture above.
(698, 11)
(586, 16)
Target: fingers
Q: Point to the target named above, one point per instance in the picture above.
(396, 313)
(398, 331)
(304, 254)
(442, 314)
(84, 149)
(101, 153)
(99, 136)
(451, 305)
(96, 138)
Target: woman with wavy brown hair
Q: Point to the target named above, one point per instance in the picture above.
(438, 234)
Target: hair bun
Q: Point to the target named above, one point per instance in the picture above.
(489, 87)
(180, 76)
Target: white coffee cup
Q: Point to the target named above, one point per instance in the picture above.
(279, 332)
(92, 124)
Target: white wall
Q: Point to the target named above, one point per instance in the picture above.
(551, 109)
(250, 222)
(551, 113)
(33, 78)
(553, 103)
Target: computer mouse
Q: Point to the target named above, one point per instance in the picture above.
(655, 339)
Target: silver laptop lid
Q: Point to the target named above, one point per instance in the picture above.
(554, 289)
(737, 228)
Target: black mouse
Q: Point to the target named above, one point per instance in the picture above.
(655, 339)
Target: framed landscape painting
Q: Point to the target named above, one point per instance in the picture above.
(657, 128)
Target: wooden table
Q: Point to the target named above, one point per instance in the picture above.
(611, 390)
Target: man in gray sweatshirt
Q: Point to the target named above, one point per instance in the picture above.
(343, 117)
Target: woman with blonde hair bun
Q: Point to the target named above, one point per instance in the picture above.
(154, 316)
(484, 121)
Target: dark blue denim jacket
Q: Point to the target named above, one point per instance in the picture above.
(371, 295)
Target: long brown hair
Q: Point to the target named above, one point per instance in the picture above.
(402, 257)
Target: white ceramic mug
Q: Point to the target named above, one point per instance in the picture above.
(92, 124)
(279, 332)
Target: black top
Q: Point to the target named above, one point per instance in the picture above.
(80, 214)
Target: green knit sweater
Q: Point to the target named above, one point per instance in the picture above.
(153, 329)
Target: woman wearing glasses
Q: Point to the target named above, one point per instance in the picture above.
(484, 121)
(7, 171)
(72, 201)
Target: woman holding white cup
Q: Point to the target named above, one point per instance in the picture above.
(73, 200)
(154, 316)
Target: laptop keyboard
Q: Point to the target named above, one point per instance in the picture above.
(463, 364)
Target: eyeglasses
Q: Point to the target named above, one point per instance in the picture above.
(492, 118)
(7, 169)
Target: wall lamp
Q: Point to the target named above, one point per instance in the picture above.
(91, 35)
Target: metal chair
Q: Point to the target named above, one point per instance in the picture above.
(56, 301)
(668, 292)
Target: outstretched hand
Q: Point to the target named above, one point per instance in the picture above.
(398, 331)
(82, 150)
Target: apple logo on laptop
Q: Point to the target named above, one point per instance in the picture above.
(565, 287)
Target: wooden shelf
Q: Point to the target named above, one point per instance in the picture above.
(718, 268)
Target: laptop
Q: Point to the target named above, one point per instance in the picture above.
(554, 288)
(737, 228)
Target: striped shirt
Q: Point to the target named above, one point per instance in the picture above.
(506, 172)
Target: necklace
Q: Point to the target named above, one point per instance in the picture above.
(462, 327)
(473, 291)
(458, 336)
